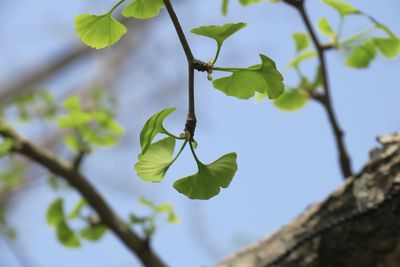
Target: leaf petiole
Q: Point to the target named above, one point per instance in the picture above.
(180, 151)
(173, 136)
(230, 69)
(194, 154)
(115, 7)
(217, 54)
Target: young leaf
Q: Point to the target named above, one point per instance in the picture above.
(6, 146)
(361, 56)
(343, 8)
(225, 5)
(93, 233)
(248, 2)
(99, 31)
(219, 33)
(292, 100)
(389, 47)
(302, 41)
(207, 181)
(153, 165)
(153, 126)
(243, 83)
(67, 237)
(325, 27)
(55, 213)
(143, 9)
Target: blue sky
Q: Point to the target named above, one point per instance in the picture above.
(287, 161)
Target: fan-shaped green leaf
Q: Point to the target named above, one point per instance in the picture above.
(67, 237)
(325, 27)
(153, 126)
(361, 56)
(153, 165)
(302, 41)
(292, 100)
(55, 213)
(99, 31)
(302, 57)
(143, 9)
(219, 33)
(207, 181)
(93, 233)
(343, 8)
(389, 47)
(243, 83)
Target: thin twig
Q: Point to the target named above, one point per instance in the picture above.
(65, 170)
(325, 99)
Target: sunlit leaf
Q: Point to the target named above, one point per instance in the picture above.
(325, 27)
(76, 211)
(292, 100)
(67, 237)
(153, 127)
(93, 233)
(219, 33)
(207, 182)
(361, 56)
(243, 83)
(389, 47)
(99, 31)
(302, 41)
(153, 165)
(342, 7)
(143, 9)
(55, 213)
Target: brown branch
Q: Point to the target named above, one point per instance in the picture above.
(326, 100)
(64, 169)
(357, 225)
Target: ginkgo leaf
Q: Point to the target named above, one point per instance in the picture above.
(153, 165)
(325, 27)
(302, 57)
(301, 40)
(219, 33)
(67, 237)
(361, 56)
(343, 8)
(292, 100)
(153, 126)
(248, 2)
(207, 182)
(143, 9)
(55, 212)
(99, 31)
(93, 233)
(243, 83)
(389, 47)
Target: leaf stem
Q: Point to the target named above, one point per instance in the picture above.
(180, 151)
(229, 69)
(115, 7)
(194, 154)
(217, 54)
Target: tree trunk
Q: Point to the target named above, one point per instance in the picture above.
(358, 225)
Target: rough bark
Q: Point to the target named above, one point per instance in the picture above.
(358, 225)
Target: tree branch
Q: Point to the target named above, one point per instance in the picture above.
(326, 100)
(64, 169)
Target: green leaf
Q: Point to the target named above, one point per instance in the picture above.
(153, 165)
(219, 33)
(302, 41)
(325, 27)
(6, 146)
(67, 237)
(343, 8)
(225, 5)
(55, 213)
(249, 2)
(292, 100)
(99, 31)
(243, 83)
(76, 211)
(389, 47)
(207, 181)
(143, 9)
(153, 127)
(361, 56)
(93, 233)
(134, 219)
